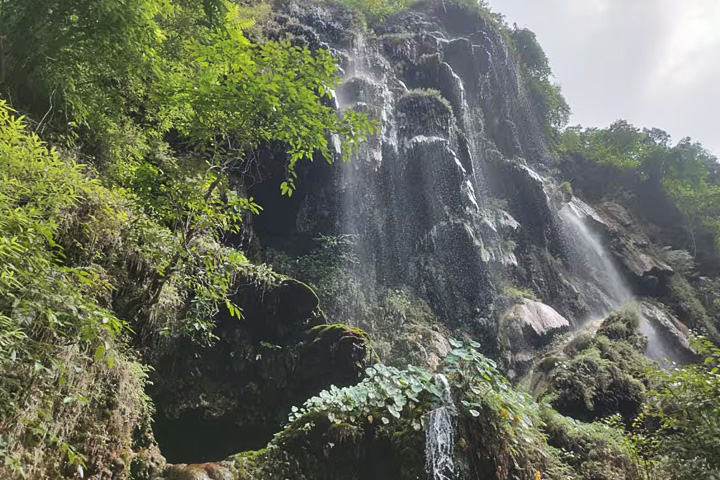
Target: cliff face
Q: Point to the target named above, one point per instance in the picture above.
(448, 199)
(453, 221)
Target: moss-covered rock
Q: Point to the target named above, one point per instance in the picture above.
(499, 433)
(424, 112)
(682, 297)
(90, 419)
(602, 376)
(215, 401)
(595, 451)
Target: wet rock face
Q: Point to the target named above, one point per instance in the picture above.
(420, 196)
(631, 244)
(668, 337)
(213, 402)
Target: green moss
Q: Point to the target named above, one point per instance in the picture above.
(548, 363)
(396, 39)
(340, 327)
(515, 295)
(427, 96)
(596, 451)
(623, 326)
(566, 188)
(689, 308)
(603, 375)
(262, 276)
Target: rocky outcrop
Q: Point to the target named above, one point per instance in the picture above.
(212, 402)
(632, 246)
(526, 328)
(442, 200)
(669, 338)
(629, 241)
(538, 322)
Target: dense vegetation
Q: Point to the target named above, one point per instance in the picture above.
(687, 172)
(125, 132)
(113, 230)
(374, 10)
(545, 95)
(675, 413)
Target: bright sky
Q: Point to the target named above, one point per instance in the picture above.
(655, 63)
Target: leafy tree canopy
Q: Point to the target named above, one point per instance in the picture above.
(688, 172)
(545, 95)
(113, 229)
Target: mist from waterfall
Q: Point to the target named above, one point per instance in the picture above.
(603, 287)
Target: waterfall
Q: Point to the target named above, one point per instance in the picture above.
(658, 348)
(440, 436)
(604, 288)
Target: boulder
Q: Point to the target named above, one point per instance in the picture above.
(538, 323)
(667, 336)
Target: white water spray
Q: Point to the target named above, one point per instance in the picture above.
(440, 436)
(605, 289)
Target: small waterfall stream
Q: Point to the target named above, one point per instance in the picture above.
(440, 436)
(604, 288)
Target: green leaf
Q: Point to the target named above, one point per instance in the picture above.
(99, 352)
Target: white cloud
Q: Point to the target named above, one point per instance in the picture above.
(692, 50)
(652, 62)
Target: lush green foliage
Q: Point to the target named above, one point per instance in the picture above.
(545, 95)
(601, 377)
(388, 392)
(679, 428)
(126, 75)
(501, 432)
(377, 9)
(689, 174)
(169, 97)
(152, 105)
(43, 302)
(57, 335)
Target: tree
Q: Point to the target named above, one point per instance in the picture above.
(687, 171)
(546, 96)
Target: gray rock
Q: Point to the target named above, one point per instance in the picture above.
(631, 244)
(538, 322)
(667, 336)
(204, 471)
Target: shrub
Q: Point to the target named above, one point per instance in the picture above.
(602, 376)
(679, 428)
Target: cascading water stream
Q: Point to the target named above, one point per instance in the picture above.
(604, 289)
(440, 436)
